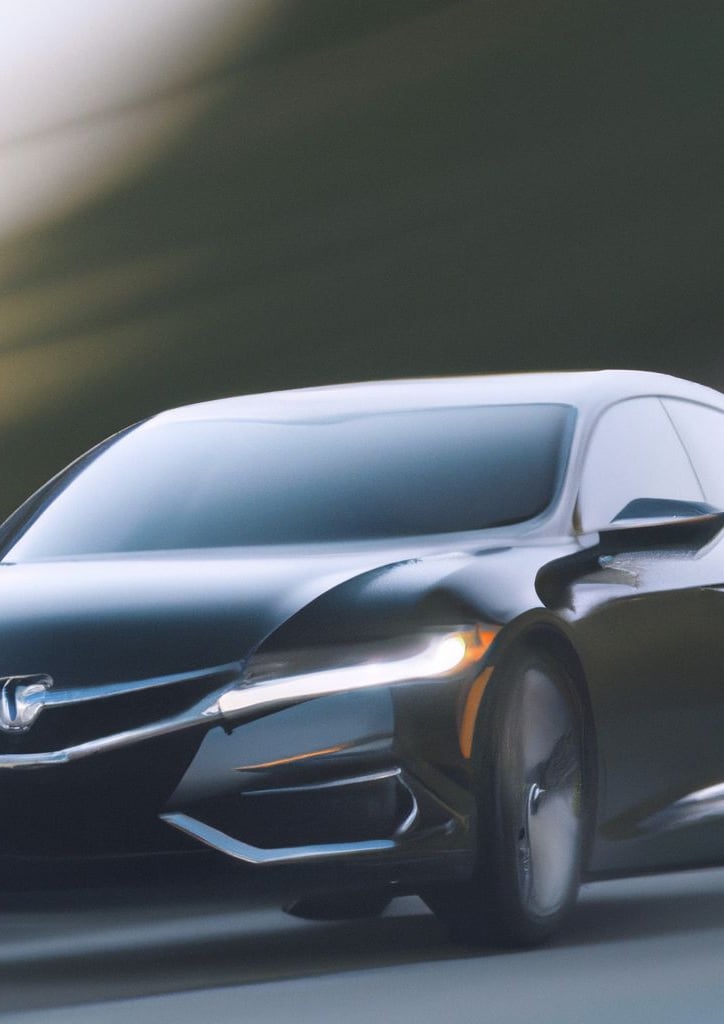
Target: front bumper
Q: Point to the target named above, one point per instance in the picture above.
(349, 796)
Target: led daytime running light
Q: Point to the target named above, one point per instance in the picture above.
(441, 657)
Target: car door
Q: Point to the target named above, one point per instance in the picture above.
(649, 626)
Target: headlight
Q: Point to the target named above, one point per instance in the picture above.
(301, 675)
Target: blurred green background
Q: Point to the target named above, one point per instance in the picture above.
(326, 190)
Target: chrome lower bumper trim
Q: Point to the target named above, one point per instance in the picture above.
(239, 850)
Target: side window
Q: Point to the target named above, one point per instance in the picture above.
(634, 452)
(702, 431)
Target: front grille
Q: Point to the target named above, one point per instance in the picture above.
(65, 725)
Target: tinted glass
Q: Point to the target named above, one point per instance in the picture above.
(229, 483)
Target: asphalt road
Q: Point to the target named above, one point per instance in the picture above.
(638, 950)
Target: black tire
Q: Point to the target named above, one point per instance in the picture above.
(342, 906)
(533, 808)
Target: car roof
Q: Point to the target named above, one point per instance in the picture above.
(589, 391)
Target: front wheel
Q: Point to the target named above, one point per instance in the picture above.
(532, 807)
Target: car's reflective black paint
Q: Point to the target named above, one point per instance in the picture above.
(381, 778)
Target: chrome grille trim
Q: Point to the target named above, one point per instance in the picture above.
(199, 714)
(79, 695)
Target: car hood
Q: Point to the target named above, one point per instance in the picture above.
(88, 622)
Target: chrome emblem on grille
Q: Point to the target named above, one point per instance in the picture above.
(21, 701)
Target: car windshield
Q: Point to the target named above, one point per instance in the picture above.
(215, 483)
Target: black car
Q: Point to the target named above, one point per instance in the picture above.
(459, 637)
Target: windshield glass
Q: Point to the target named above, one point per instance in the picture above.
(218, 483)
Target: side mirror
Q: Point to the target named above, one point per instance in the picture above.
(644, 524)
(663, 509)
(662, 522)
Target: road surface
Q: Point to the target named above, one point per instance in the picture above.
(637, 950)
